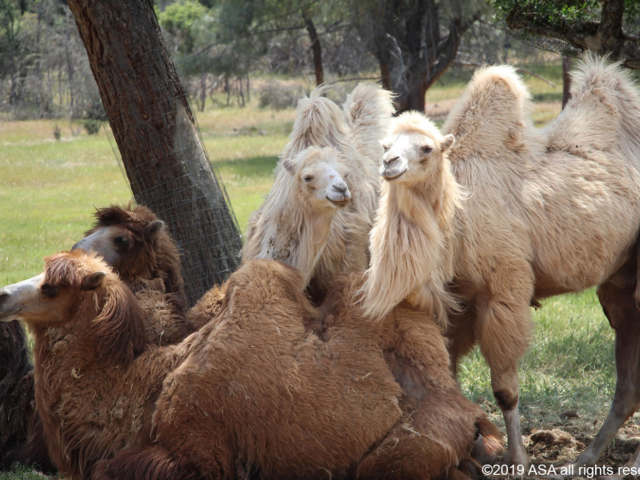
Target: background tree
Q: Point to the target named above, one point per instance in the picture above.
(154, 128)
(602, 26)
(414, 41)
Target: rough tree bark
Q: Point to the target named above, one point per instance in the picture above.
(315, 47)
(605, 37)
(154, 127)
(566, 80)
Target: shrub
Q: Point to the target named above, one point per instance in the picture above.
(92, 126)
(279, 96)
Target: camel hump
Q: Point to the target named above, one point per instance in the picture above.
(367, 112)
(600, 94)
(319, 122)
(493, 113)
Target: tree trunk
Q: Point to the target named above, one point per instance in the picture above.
(70, 71)
(566, 80)
(203, 90)
(315, 47)
(154, 127)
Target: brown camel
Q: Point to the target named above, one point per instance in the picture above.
(253, 393)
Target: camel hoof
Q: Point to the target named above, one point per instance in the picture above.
(517, 458)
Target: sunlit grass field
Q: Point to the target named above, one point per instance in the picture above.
(49, 189)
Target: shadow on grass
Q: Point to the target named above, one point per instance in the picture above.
(248, 167)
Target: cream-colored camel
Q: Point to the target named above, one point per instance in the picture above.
(330, 152)
(548, 211)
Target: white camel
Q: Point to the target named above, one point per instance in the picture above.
(548, 211)
(329, 151)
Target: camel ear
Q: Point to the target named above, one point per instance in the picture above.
(289, 166)
(93, 281)
(446, 143)
(153, 228)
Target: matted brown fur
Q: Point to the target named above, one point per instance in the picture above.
(151, 267)
(17, 405)
(439, 424)
(156, 259)
(252, 392)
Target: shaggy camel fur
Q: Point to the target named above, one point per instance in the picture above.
(135, 243)
(253, 392)
(16, 386)
(439, 423)
(549, 211)
(298, 223)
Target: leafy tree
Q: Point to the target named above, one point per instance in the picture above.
(603, 26)
(414, 41)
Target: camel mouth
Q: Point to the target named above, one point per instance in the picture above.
(340, 203)
(9, 315)
(388, 176)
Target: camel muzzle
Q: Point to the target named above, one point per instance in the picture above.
(6, 312)
(393, 168)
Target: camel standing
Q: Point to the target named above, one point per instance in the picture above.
(548, 211)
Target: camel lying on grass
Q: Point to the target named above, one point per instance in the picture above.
(253, 393)
(320, 209)
(134, 242)
(548, 211)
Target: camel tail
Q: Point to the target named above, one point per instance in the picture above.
(319, 122)
(367, 112)
(492, 114)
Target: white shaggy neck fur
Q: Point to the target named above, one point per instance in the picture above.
(289, 227)
(410, 244)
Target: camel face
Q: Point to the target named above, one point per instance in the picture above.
(116, 243)
(34, 300)
(412, 156)
(320, 175)
(48, 297)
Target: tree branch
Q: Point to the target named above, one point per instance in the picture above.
(606, 37)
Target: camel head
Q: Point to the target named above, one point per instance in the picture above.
(320, 174)
(48, 298)
(120, 234)
(414, 150)
(80, 287)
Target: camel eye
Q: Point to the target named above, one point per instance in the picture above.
(307, 178)
(120, 241)
(49, 290)
(385, 147)
(427, 149)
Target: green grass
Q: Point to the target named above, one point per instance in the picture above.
(49, 189)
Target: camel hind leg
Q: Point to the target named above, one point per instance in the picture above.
(617, 299)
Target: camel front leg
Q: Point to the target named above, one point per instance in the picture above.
(504, 331)
(619, 306)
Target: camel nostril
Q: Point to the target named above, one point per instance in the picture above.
(340, 188)
(391, 160)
